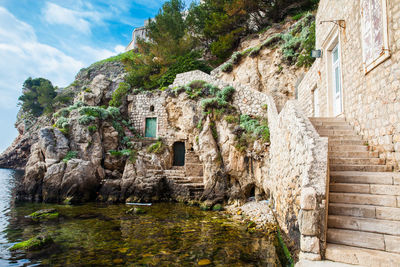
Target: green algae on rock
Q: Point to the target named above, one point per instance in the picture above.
(35, 243)
(45, 214)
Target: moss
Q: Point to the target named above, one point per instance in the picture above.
(35, 243)
(46, 214)
(217, 207)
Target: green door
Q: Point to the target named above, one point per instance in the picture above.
(179, 154)
(151, 128)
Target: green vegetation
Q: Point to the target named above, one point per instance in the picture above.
(92, 128)
(37, 97)
(156, 148)
(121, 92)
(35, 243)
(259, 128)
(70, 155)
(221, 101)
(298, 43)
(44, 215)
(130, 153)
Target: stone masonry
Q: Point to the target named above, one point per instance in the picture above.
(371, 101)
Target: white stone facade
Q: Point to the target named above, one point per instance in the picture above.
(370, 92)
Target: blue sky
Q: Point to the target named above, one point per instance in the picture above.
(54, 39)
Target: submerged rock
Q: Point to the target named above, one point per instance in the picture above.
(35, 243)
(136, 211)
(45, 214)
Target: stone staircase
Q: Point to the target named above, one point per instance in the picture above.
(193, 183)
(364, 200)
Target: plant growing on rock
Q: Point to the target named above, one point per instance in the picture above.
(120, 93)
(157, 148)
(70, 155)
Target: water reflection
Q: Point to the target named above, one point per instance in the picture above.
(104, 235)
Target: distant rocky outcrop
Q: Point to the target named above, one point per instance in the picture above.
(107, 73)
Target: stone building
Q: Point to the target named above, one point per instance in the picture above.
(352, 96)
(138, 33)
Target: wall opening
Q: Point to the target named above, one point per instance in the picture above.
(152, 108)
(151, 128)
(179, 154)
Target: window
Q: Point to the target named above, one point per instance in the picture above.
(374, 33)
(151, 108)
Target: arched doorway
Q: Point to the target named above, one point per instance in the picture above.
(179, 154)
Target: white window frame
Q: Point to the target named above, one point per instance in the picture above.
(385, 54)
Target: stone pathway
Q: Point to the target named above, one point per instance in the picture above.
(306, 263)
(257, 211)
(364, 200)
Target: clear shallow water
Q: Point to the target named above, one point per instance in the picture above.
(104, 235)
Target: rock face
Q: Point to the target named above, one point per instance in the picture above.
(102, 79)
(267, 72)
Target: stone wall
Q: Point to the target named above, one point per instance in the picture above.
(371, 101)
(248, 101)
(298, 178)
(298, 165)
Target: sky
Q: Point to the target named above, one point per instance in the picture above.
(54, 39)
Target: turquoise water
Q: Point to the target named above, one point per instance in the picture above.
(104, 235)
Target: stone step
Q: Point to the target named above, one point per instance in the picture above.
(329, 123)
(357, 161)
(370, 225)
(366, 211)
(361, 256)
(390, 178)
(351, 154)
(362, 168)
(377, 189)
(196, 179)
(326, 119)
(340, 127)
(363, 199)
(347, 148)
(352, 137)
(346, 142)
(336, 133)
(355, 238)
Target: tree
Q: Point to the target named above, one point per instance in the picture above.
(37, 96)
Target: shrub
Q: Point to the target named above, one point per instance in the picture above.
(86, 120)
(226, 93)
(274, 39)
(64, 112)
(113, 112)
(76, 105)
(227, 67)
(255, 127)
(62, 122)
(156, 148)
(92, 128)
(93, 111)
(255, 51)
(119, 94)
(236, 57)
(231, 119)
(70, 155)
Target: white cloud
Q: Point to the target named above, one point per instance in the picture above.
(119, 49)
(23, 56)
(79, 20)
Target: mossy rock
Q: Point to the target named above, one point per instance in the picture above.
(35, 243)
(136, 211)
(204, 207)
(44, 215)
(217, 207)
